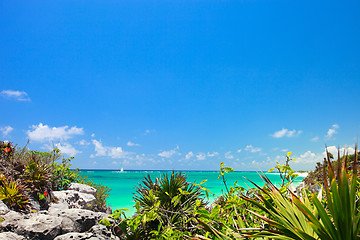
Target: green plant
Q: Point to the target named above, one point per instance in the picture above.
(12, 194)
(37, 175)
(223, 170)
(287, 175)
(229, 213)
(290, 217)
(165, 209)
(62, 173)
(174, 196)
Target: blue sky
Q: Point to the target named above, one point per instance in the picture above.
(181, 84)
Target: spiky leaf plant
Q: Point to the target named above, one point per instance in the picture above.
(337, 219)
(12, 194)
(169, 201)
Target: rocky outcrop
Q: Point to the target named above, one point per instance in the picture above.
(67, 218)
(75, 199)
(10, 221)
(82, 188)
(78, 236)
(39, 226)
(77, 220)
(3, 208)
(10, 236)
(97, 232)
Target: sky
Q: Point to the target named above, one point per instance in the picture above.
(181, 84)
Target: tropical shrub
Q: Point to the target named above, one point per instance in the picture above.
(12, 194)
(62, 173)
(165, 209)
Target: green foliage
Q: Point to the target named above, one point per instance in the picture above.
(165, 209)
(63, 175)
(12, 194)
(102, 192)
(37, 174)
(286, 173)
(40, 173)
(223, 170)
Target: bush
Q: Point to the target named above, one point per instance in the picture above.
(63, 175)
(12, 194)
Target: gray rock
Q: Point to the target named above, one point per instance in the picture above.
(3, 208)
(10, 221)
(54, 207)
(77, 220)
(10, 236)
(39, 226)
(78, 236)
(34, 204)
(75, 199)
(83, 188)
(101, 231)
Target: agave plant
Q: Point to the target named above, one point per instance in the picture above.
(337, 218)
(286, 216)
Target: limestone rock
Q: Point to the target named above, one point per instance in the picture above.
(34, 204)
(3, 208)
(75, 199)
(101, 231)
(77, 220)
(10, 222)
(83, 188)
(10, 236)
(78, 236)
(39, 226)
(54, 207)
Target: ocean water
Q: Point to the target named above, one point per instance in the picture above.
(123, 184)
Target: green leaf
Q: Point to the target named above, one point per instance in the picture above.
(204, 181)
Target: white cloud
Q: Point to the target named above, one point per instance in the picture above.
(315, 139)
(308, 159)
(286, 133)
(228, 155)
(170, 153)
(239, 150)
(189, 155)
(334, 151)
(201, 156)
(212, 154)
(17, 95)
(106, 151)
(67, 148)
(6, 130)
(252, 149)
(83, 142)
(93, 135)
(131, 144)
(41, 133)
(332, 131)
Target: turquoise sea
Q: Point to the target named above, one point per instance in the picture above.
(123, 184)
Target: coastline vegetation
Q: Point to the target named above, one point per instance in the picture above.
(170, 207)
(28, 175)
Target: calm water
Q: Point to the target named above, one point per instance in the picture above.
(123, 184)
